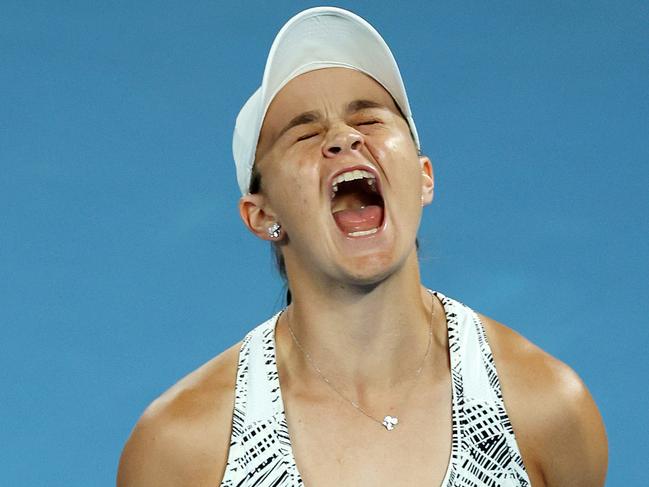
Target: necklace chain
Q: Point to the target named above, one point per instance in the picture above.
(389, 421)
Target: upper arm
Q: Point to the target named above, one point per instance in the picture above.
(577, 451)
(166, 451)
(150, 456)
(183, 437)
(558, 427)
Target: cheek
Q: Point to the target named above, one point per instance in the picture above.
(294, 190)
(394, 143)
(399, 145)
(406, 161)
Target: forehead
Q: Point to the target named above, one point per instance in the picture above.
(326, 90)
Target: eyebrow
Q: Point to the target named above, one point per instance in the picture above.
(358, 105)
(314, 116)
(301, 119)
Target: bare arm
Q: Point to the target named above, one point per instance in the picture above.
(577, 450)
(155, 454)
(182, 438)
(557, 425)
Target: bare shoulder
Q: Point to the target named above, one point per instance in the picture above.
(557, 425)
(183, 436)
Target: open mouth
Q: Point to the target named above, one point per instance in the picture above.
(356, 203)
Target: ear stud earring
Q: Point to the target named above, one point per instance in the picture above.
(274, 230)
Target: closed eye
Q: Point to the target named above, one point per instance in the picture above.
(368, 122)
(306, 136)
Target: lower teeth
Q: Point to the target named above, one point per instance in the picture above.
(362, 233)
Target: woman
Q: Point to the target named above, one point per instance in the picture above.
(378, 380)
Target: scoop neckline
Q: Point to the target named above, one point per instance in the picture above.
(456, 385)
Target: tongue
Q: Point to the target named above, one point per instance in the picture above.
(360, 219)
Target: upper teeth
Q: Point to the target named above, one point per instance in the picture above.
(351, 176)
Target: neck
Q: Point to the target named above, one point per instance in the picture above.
(362, 338)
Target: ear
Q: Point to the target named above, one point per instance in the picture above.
(427, 180)
(257, 216)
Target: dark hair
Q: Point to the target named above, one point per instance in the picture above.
(278, 257)
(255, 180)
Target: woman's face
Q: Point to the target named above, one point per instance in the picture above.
(342, 175)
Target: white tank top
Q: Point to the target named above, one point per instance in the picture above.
(483, 447)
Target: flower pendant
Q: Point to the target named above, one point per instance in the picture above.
(390, 422)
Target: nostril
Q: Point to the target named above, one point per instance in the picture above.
(334, 149)
(356, 144)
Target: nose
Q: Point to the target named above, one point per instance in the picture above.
(341, 140)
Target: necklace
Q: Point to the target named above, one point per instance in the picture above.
(389, 422)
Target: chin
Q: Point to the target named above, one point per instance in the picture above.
(370, 270)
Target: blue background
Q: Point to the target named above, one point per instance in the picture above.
(123, 262)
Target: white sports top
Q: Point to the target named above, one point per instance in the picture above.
(483, 448)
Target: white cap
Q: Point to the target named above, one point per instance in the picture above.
(321, 37)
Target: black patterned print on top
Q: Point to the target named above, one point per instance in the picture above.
(484, 452)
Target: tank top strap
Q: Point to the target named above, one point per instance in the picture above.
(484, 449)
(260, 453)
(257, 389)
